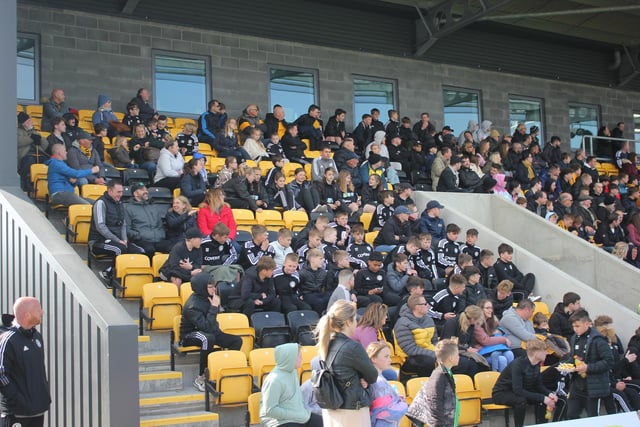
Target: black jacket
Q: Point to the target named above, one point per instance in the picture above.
(350, 364)
(24, 388)
(448, 181)
(273, 125)
(522, 378)
(251, 288)
(559, 322)
(198, 314)
(599, 358)
(238, 188)
(334, 127)
(393, 227)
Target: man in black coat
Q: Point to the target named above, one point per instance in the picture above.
(449, 180)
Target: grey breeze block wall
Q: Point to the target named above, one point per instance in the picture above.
(87, 54)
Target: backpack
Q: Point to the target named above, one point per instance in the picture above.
(325, 388)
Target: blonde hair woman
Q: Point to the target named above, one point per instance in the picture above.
(349, 363)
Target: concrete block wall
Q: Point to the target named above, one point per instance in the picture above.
(87, 54)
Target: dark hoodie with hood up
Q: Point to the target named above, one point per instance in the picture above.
(198, 314)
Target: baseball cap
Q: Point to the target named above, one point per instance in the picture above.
(434, 204)
(402, 210)
(192, 233)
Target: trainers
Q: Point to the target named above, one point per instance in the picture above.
(107, 274)
(199, 383)
(534, 298)
(320, 208)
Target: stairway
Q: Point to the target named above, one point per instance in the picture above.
(168, 398)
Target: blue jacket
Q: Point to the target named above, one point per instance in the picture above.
(434, 226)
(59, 173)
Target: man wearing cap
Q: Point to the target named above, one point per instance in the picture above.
(62, 178)
(373, 165)
(446, 138)
(82, 155)
(185, 259)
(404, 191)
(589, 219)
(396, 231)
(144, 222)
(449, 180)
(430, 222)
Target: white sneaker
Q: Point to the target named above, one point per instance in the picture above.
(199, 383)
(320, 208)
(534, 298)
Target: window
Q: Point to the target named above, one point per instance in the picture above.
(293, 88)
(636, 131)
(371, 93)
(181, 83)
(528, 111)
(583, 120)
(460, 106)
(28, 63)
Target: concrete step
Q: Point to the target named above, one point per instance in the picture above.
(153, 361)
(160, 381)
(186, 419)
(171, 402)
(144, 343)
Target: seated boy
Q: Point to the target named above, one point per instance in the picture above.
(341, 224)
(313, 281)
(329, 247)
(398, 273)
(464, 261)
(255, 248)
(187, 140)
(384, 210)
(359, 250)
(369, 281)
(185, 259)
(278, 164)
(132, 118)
(282, 246)
(340, 262)
(502, 298)
(507, 270)
(287, 283)
(314, 242)
(474, 291)
(448, 249)
(469, 246)
(218, 249)
(447, 302)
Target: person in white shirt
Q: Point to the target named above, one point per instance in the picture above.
(282, 246)
(344, 289)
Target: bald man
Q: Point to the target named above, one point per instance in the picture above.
(54, 107)
(24, 388)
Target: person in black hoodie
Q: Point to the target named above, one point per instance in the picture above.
(593, 359)
(559, 320)
(293, 146)
(185, 259)
(310, 127)
(199, 327)
(334, 131)
(257, 289)
(24, 388)
(275, 122)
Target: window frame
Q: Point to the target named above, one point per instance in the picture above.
(181, 55)
(316, 82)
(37, 68)
(577, 105)
(543, 116)
(461, 89)
(394, 82)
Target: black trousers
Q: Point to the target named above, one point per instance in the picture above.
(11, 421)
(421, 365)
(314, 421)
(206, 341)
(576, 403)
(519, 405)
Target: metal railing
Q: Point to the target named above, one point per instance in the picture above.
(603, 146)
(91, 346)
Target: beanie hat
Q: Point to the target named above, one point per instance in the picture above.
(22, 117)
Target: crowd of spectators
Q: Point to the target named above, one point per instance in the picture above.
(427, 283)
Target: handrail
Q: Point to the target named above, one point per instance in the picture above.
(90, 341)
(587, 143)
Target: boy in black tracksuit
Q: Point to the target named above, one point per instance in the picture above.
(369, 281)
(255, 248)
(593, 359)
(507, 270)
(359, 250)
(447, 303)
(313, 281)
(448, 249)
(469, 246)
(257, 289)
(185, 259)
(287, 283)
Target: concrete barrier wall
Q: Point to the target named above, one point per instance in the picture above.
(538, 246)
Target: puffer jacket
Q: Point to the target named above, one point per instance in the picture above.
(144, 221)
(435, 403)
(599, 359)
(198, 314)
(416, 336)
(350, 363)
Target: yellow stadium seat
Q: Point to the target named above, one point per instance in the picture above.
(470, 401)
(161, 303)
(312, 154)
(93, 191)
(541, 307)
(254, 408)
(170, 123)
(399, 387)
(34, 111)
(179, 122)
(233, 378)
(308, 353)
(238, 324)
(370, 237)
(270, 219)
(484, 381)
(157, 262)
(134, 271)
(262, 361)
(295, 220)
(39, 180)
(185, 292)
(265, 166)
(308, 170)
(288, 170)
(19, 108)
(413, 387)
(119, 115)
(252, 164)
(78, 223)
(244, 219)
(174, 132)
(365, 218)
(174, 343)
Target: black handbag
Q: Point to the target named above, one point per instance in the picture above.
(325, 389)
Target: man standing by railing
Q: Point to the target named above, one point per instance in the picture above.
(24, 388)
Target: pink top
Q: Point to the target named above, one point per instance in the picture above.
(634, 236)
(483, 339)
(365, 335)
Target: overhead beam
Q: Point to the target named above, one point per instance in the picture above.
(130, 6)
(560, 13)
(630, 67)
(440, 21)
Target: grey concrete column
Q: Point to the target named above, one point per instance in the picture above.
(8, 29)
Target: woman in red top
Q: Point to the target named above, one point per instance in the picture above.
(216, 210)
